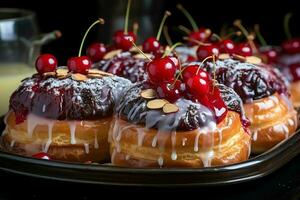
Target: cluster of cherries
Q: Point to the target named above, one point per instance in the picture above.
(197, 83)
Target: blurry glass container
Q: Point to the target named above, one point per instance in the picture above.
(20, 44)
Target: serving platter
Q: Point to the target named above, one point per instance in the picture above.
(105, 174)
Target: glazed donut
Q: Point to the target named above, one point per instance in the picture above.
(66, 117)
(266, 100)
(189, 138)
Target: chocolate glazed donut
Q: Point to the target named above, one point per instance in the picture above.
(265, 97)
(190, 138)
(67, 117)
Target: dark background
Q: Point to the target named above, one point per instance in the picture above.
(73, 18)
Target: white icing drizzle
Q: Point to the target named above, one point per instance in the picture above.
(154, 141)
(96, 144)
(72, 126)
(184, 140)
(254, 135)
(12, 143)
(86, 148)
(160, 161)
(173, 140)
(127, 157)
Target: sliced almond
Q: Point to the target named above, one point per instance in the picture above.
(79, 77)
(141, 56)
(49, 74)
(170, 108)
(156, 103)
(253, 60)
(239, 57)
(94, 71)
(62, 72)
(95, 76)
(105, 73)
(148, 94)
(112, 54)
(224, 56)
(134, 49)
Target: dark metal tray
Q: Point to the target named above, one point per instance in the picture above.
(251, 169)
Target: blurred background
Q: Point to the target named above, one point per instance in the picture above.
(73, 17)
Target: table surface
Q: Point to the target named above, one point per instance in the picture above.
(282, 184)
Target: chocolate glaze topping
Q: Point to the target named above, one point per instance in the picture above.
(191, 115)
(68, 99)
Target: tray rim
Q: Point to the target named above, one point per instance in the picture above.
(288, 146)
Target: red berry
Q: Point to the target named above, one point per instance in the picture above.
(291, 46)
(123, 41)
(170, 91)
(191, 70)
(151, 45)
(295, 71)
(272, 54)
(79, 64)
(45, 63)
(161, 70)
(202, 35)
(227, 46)
(244, 49)
(96, 51)
(197, 86)
(219, 107)
(41, 155)
(204, 51)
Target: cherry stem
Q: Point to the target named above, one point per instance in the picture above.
(167, 36)
(167, 52)
(100, 21)
(184, 29)
(188, 16)
(147, 57)
(217, 36)
(135, 27)
(203, 61)
(229, 35)
(259, 35)
(127, 16)
(178, 75)
(250, 38)
(167, 14)
(196, 41)
(223, 30)
(286, 26)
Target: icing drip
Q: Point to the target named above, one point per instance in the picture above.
(72, 126)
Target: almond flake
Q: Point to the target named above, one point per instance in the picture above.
(253, 60)
(224, 56)
(156, 103)
(112, 54)
(134, 49)
(170, 108)
(148, 94)
(49, 74)
(95, 76)
(141, 56)
(239, 57)
(79, 77)
(94, 71)
(62, 72)
(105, 73)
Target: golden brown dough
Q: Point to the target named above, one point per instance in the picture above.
(135, 146)
(89, 142)
(272, 121)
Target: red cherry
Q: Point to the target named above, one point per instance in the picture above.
(191, 71)
(291, 46)
(219, 107)
(45, 63)
(151, 45)
(197, 86)
(202, 35)
(271, 53)
(41, 155)
(96, 51)
(123, 40)
(161, 70)
(170, 90)
(227, 46)
(244, 49)
(204, 51)
(79, 64)
(175, 61)
(295, 71)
